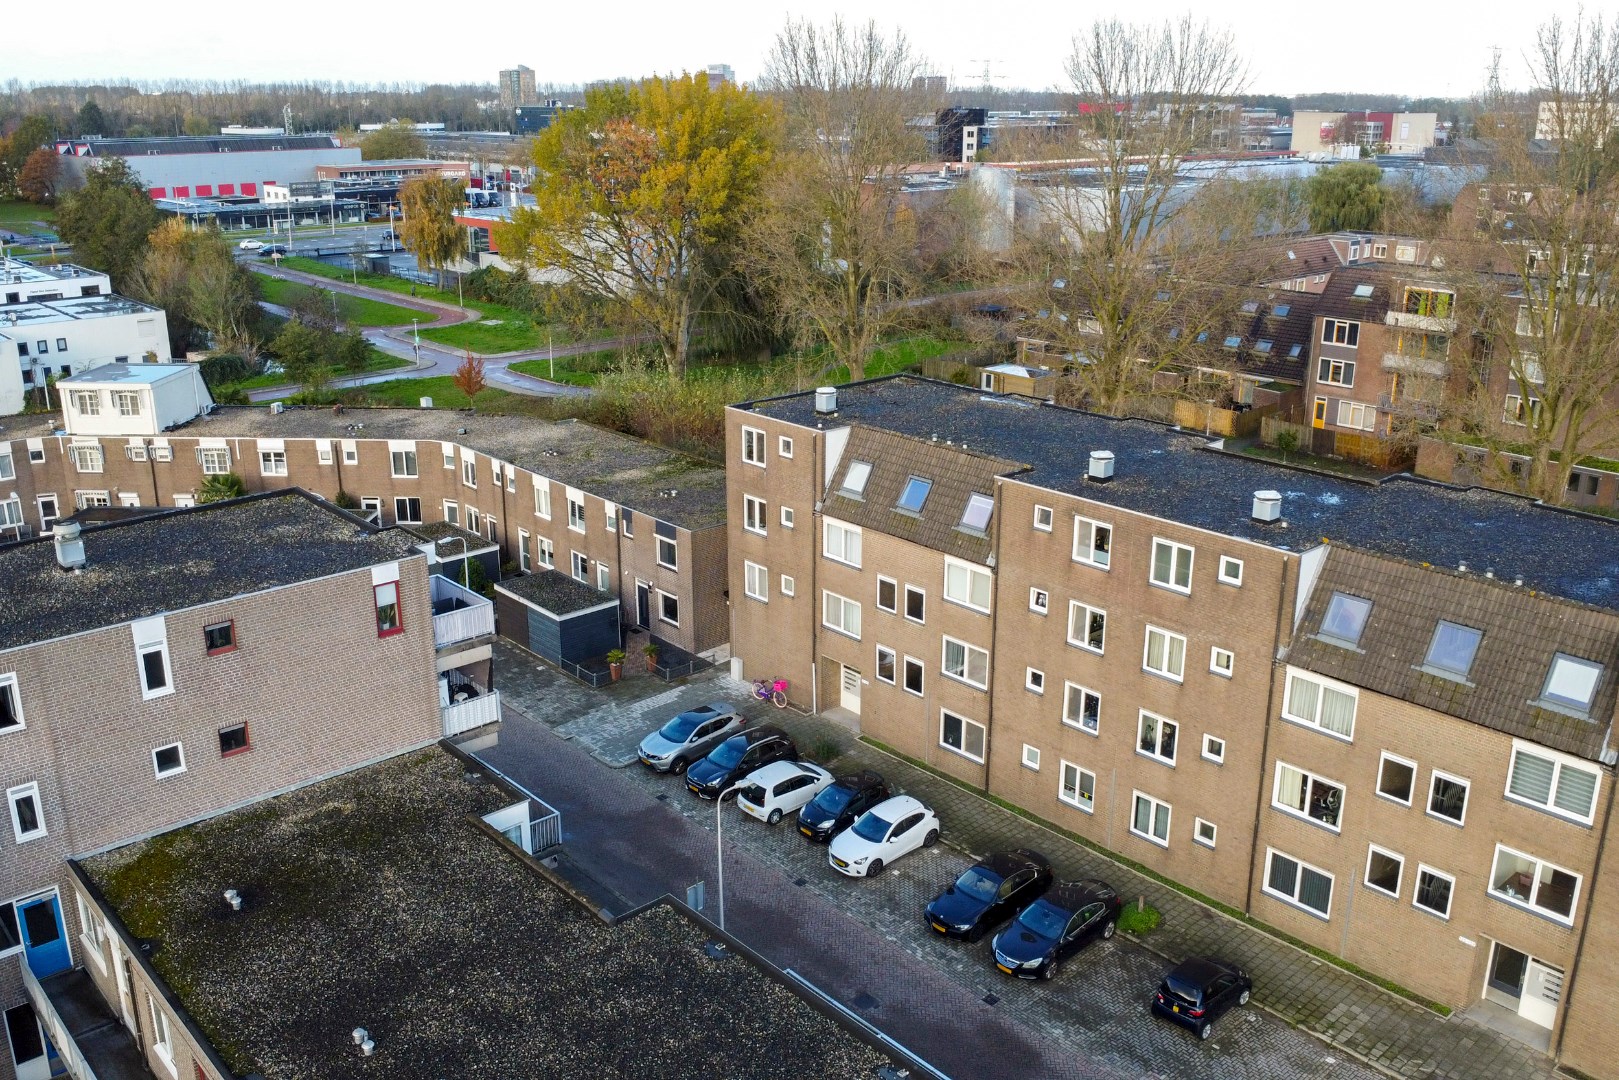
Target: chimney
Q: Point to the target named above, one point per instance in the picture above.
(826, 399)
(1100, 469)
(69, 548)
(1267, 506)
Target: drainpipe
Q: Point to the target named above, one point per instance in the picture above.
(1264, 744)
(994, 624)
(818, 462)
(151, 467)
(1585, 925)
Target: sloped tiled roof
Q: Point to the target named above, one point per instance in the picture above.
(1522, 631)
(1340, 298)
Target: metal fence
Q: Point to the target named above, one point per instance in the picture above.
(679, 669)
(585, 675)
(544, 826)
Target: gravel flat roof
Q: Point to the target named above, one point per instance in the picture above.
(372, 900)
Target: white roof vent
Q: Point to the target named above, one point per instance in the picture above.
(276, 408)
(1267, 506)
(69, 548)
(1101, 467)
(826, 399)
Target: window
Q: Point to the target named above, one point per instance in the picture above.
(842, 543)
(1534, 884)
(1345, 620)
(1340, 332)
(273, 462)
(1230, 570)
(511, 478)
(854, 481)
(1520, 413)
(452, 512)
(1039, 601)
(887, 595)
(755, 514)
(1571, 683)
(449, 455)
(389, 621)
(1221, 661)
(756, 581)
(1093, 543)
(1172, 565)
(581, 566)
(668, 608)
(913, 675)
(1447, 797)
(1306, 795)
(545, 552)
(1150, 821)
(152, 657)
(525, 561)
(1043, 518)
(169, 760)
(964, 736)
(967, 585)
(1077, 787)
(916, 604)
(7, 470)
(976, 517)
(787, 585)
(127, 402)
(914, 495)
(576, 514)
(469, 470)
(1214, 749)
(1298, 883)
(1081, 708)
(1396, 778)
(784, 446)
(786, 517)
(1450, 653)
(87, 458)
(1031, 757)
(1164, 654)
(474, 521)
(1034, 679)
(1313, 701)
(233, 740)
(1383, 870)
(887, 661)
(840, 613)
(1336, 372)
(162, 1038)
(542, 498)
(219, 637)
(753, 446)
(1433, 891)
(667, 553)
(87, 402)
(1203, 832)
(27, 816)
(371, 510)
(404, 462)
(965, 662)
(10, 704)
(1357, 416)
(1087, 626)
(1157, 737)
(604, 577)
(1538, 776)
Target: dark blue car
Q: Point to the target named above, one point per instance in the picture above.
(1054, 927)
(1199, 991)
(736, 757)
(990, 892)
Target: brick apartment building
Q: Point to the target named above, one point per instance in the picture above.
(1376, 716)
(162, 670)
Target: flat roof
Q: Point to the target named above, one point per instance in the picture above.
(1180, 476)
(647, 478)
(396, 163)
(70, 309)
(555, 593)
(18, 272)
(124, 374)
(372, 900)
(182, 558)
(201, 144)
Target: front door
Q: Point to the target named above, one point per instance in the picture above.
(126, 995)
(44, 941)
(989, 381)
(1319, 417)
(1519, 982)
(849, 697)
(642, 601)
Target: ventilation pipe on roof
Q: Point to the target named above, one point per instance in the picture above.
(359, 1035)
(1267, 506)
(69, 548)
(1100, 469)
(826, 399)
(234, 899)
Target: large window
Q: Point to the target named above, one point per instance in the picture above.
(840, 613)
(755, 515)
(964, 736)
(1087, 626)
(1546, 779)
(1383, 870)
(1077, 787)
(1340, 332)
(1093, 543)
(1434, 888)
(842, 543)
(1298, 883)
(1157, 737)
(87, 457)
(1165, 654)
(407, 509)
(27, 814)
(389, 619)
(403, 462)
(753, 446)
(756, 581)
(1150, 819)
(215, 460)
(1313, 701)
(1172, 565)
(1534, 883)
(127, 402)
(273, 462)
(1306, 795)
(967, 663)
(1081, 708)
(967, 584)
(87, 402)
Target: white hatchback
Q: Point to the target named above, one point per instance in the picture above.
(892, 828)
(781, 788)
(250, 245)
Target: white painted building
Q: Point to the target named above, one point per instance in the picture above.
(64, 337)
(132, 399)
(24, 283)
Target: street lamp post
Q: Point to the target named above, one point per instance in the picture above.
(719, 846)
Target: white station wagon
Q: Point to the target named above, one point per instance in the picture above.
(781, 788)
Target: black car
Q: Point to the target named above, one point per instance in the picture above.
(1070, 915)
(837, 806)
(268, 250)
(1198, 992)
(989, 893)
(736, 757)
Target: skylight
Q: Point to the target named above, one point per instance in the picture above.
(1452, 648)
(1571, 682)
(915, 494)
(854, 482)
(1362, 291)
(1295, 350)
(1161, 294)
(1250, 306)
(979, 508)
(1233, 341)
(1345, 619)
(1281, 310)
(1262, 346)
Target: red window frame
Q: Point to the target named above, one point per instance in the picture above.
(223, 649)
(247, 735)
(399, 612)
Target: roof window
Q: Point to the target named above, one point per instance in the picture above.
(1452, 648)
(979, 508)
(1262, 346)
(1363, 292)
(1345, 619)
(1281, 310)
(854, 481)
(1571, 683)
(915, 494)
(1233, 340)
(1250, 306)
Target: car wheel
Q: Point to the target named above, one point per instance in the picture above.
(677, 766)
(931, 838)
(775, 817)
(1204, 1030)
(875, 868)
(1108, 928)
(1051, 970)
(976, 934)
(1242, 999)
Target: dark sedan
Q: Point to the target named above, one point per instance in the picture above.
(1071, 915)
(837, 806)
(989, 893)
(1198, 992)
(736, 757)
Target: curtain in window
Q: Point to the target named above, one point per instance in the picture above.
(1576, 791)
(1290, 787)
(1302, 697)
(1283, 875)
(1143, 822)
(1315, 890)
(1337, 711)
(1532, 778)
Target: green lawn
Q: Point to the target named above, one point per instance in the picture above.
(407, 393)
(579, 370)
(896, 356)
(16, 212)
(353, 310)
(379, 361)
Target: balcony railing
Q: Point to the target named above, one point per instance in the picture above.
(1421, 365)
(459, 614)
(472, 713)
(1408, 407)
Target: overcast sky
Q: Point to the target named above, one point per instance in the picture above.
(1439, 47)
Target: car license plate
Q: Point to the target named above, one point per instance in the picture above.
(694, 789)
(841, 864)
(1175, 1008)
(939, 927)
(807, 832)
(1004, 968)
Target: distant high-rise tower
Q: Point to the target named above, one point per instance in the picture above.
(934, 86)
(517, 87)
(718, 73)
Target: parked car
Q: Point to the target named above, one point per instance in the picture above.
(689, 736)
(838, 805)
(781, 788)
(250, 245)
(882, 834)
(1199, 991)
(1069, 916)
(268, 250)
(736, 757)
(989, 892)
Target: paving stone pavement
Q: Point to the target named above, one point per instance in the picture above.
(1096, 1005)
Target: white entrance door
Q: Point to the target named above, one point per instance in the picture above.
(126, 999)
(1542, 990)
(988, 382)
(849, 697)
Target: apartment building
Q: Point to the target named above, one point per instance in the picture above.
(1137, 636)
(45, 339)
(160, 671)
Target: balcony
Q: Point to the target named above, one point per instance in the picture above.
(466, 704)
(1410, 320)
(1418, 365)
(1405, 406)
(459, 614)
(90, 1042)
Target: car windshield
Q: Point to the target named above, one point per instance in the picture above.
(680, 728)
(1043, 919)
(833, 799)
(979, 884)
(728, 753)
(871, 827)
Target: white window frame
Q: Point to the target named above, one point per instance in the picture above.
(975, 577)
(1069, 690)
(662, 616)
(1321, 683)
(1157, 752)
(9, 685)
(15, 795)
(469, 468)
(215, 460)
(784, 446)
(406, 499)
(403, 464)
(1416, 771)
(1198, 826)
(162, 1035)
(525, 561)
(159, 645)
(893, 665)
(1229, 576)
(542, 498)
(967, 651)
(1366, 871)
(787, 517)
(787, 585)
(1170, 637)
(1330, 336)
(1079, 772)
(1298, 881)
(908, 664)
(604, 577)
(1034, 680)
(1560, 763)
(1176, 550)
(8, 470)
(756, 581)
(1527, 903)
(1137, 796)
(1074, 608)
(87, 457)
(1085, 528)
(850, 539)
(272, 463)
(1309, 778)
(1031, 757)
(576, 513)
(829, 599)
(754, 515)
(579, 567)
(916, 590)
(1434, 776)
(159, 773)
(966, 724)
(673, 561)
(753, 446)
(351, 452)
(1044, 517)
(1216, 656)
(545, 552)
(1416, 890)
(884, 579)
(1357, 415)
(1217, 757)
(1039, 601)
(448, 450)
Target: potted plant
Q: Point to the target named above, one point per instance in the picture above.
(650, 651)
(615, 663)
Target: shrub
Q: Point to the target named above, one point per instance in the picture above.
(1140, 920)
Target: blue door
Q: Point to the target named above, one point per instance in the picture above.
(44, 942)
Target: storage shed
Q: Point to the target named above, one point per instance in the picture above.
(556, 617)
(450, 545)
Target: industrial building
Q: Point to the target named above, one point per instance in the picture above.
(208, 166)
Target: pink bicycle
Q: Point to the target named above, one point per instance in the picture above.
(771, 690)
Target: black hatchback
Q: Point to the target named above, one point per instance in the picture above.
(1069, 916)
(989, 892)
(1198, 992)
(736, 757)
(838, 805)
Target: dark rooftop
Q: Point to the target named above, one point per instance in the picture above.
(181, 558)
(447, 538)
(1176, 475)
(628, 471)
(28, 426)
(206, 144)
(371, 900)
(555, 591)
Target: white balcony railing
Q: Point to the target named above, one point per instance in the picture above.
(473, 713)
(459, 614)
